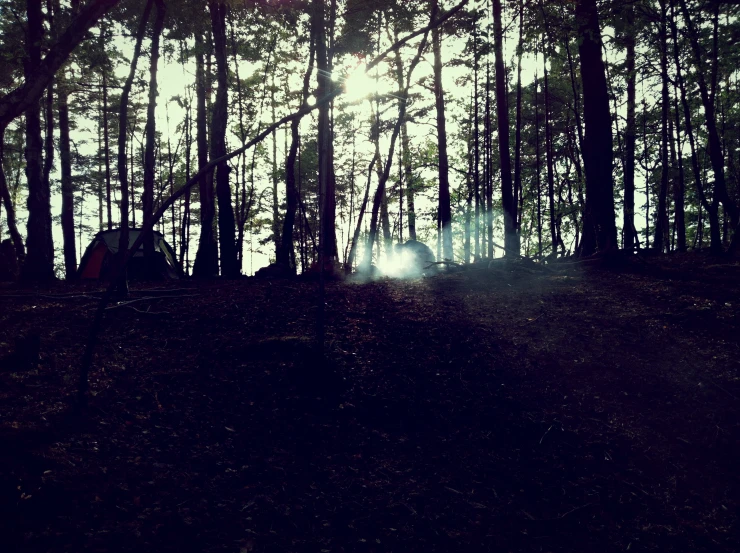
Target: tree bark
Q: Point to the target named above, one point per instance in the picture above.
(628, 229)
(206, 257)
(226, 224)
(150, 128)
(327, 204)
(518, 125)
(445, 212)
(538, 162)
(511, 239)
(599, 229)
(106, 137)
(284, 256)
(476, 150)
(661, 241)
(39, 262)
(548, 158)
(65, 158)
(408, 171)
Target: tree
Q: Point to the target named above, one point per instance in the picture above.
(628, 228)
(206, 257)
(511, 239)
(39, 262)
(226, 223)
(151, 129)
(599, 224)
(445, 213)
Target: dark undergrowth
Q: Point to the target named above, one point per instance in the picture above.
(503, 409)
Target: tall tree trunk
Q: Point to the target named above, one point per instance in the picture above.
(476, 149)
(599, 229)
(206, 257)
(39, 262)
(548, 158)
(511, 239)
(679, 188)
(408, 171)
(226, 224)
(538, 172)
(628, 229)
(488, 166)
(661, 241)
(284, 257)
(445, 212)
(106, 131)
(147, 201)
(518, 127)
(123, 133)
(471, 194)
(275, 203)
(327, 207)
(358, 226)
(185, 224)
(65, 158)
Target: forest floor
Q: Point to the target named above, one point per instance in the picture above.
(508, 409)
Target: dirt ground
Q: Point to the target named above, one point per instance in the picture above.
(506, 409)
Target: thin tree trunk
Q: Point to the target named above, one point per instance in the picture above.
(106, 136)
(445, 212)
(538, 172)
(185, 224)
(661, 240)
(679, 188)
(363, 207)
(291, 192)
(147, 202)
(476, 148)
(518, 128)
(628, 229)
(65, 158)
(548, 158)
(275, 205)
(408, 171)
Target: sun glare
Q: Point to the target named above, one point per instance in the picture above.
(399, 265)
(358, 85)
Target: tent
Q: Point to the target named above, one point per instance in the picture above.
(98, 259)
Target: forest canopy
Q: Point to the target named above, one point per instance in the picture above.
(256, 132)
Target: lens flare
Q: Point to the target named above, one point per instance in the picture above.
(358, 85)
